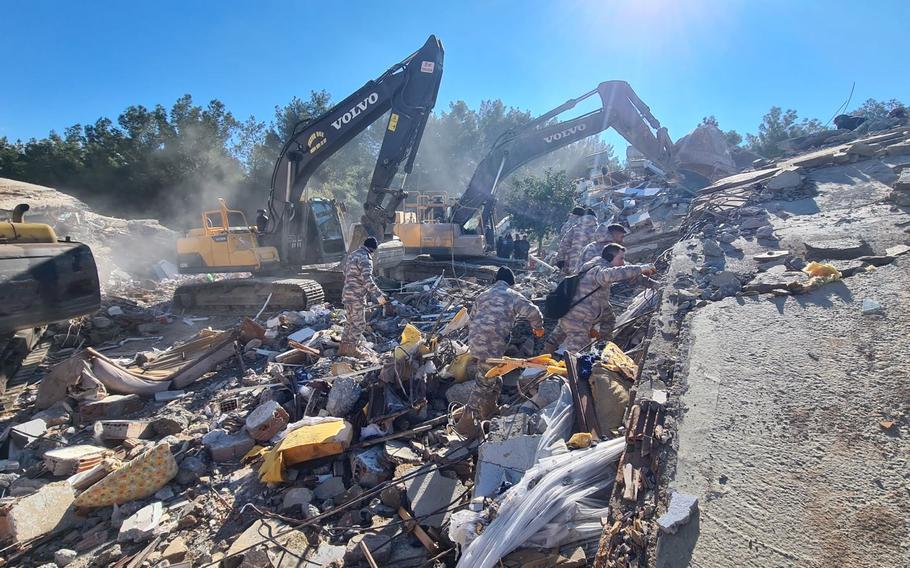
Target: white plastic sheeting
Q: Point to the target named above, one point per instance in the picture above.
(558, 417)
(547, 492)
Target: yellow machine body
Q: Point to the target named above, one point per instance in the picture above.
(224, 243)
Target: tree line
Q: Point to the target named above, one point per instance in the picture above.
(172, 163)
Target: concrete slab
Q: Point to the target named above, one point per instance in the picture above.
(429, 495)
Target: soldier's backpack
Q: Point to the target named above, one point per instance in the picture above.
(559, 301)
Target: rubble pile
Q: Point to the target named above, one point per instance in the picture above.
(255, 442)
(125, 250)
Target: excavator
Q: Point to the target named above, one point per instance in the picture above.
(305, 232)
(469, 229)
(43, 279)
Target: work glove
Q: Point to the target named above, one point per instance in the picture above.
(382, 300)
(538, 332)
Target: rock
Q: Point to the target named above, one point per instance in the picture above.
(837, 249)
(266, 420)
(785, 179)
(171, 424)
(369, 467)
(399, 451)
(166, 493)
(109, 556)
(297, 498)
(47, 509)
(766, 232)
(167, 396)
(142, 525)
(343, 396)
(175, 551)
(726, 238)
(391, 497)
(64, 556)
(310, 511)
(149, 328)
(678, 512)
(903, 182)
(330, 488)
(226, 447)
(191, 469)
(726, 281)
(711, 248)
(459, 393)
(378, 543)
(871, 307)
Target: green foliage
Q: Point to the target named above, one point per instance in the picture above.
(733, 137)
(874, 109)
(777, 126)
(538, 203)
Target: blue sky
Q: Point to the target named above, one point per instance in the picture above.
(71, 62)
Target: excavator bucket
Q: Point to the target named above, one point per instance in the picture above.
(45, 282)
(42, 279)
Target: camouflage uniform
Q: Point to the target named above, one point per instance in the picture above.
(593, 250)
(574, 328)
(575, 240)
(492, 318)
(566, 227)
(358, 283)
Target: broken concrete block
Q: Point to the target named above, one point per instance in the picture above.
(429, 493)
(678, 512)
(171, 424)
(297, 498)
(123, 429)
(70, 460)
(837, 249)
(504, 460)
(226, 447)
(765, 232)
(48, 509)
(343, 396)
(64, 556)
(871, 307)
(191, 469)
(58, 414)
(785, 179)
(459, 393)
(330, 488)
(903, 182)
(726, 281)
(266, 420)
(110, 407)
(399, 451)
(175, 551)
(167, 396)
(28, 431)
(141, 526)
(378, 543)
(711, 248)
(369, 468)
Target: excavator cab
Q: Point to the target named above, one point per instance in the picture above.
(224, 243)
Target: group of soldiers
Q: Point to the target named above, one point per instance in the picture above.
(517, 247)
(591, 250)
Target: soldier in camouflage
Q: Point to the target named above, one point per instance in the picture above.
(576, 239)
(604, 235)
(574, 217)
(492, 318)
(592, 317)
(358, 285)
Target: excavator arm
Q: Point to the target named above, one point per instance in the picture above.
(409, 90)
(621, 110)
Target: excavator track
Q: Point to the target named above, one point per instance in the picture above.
(246, 296)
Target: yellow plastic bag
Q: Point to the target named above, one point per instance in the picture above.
(617, 361)
(823, 270)
(546, 362)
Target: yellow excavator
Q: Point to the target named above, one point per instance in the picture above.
(296, 231)
(466, 228)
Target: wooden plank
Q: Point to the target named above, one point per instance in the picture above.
(421, 534)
